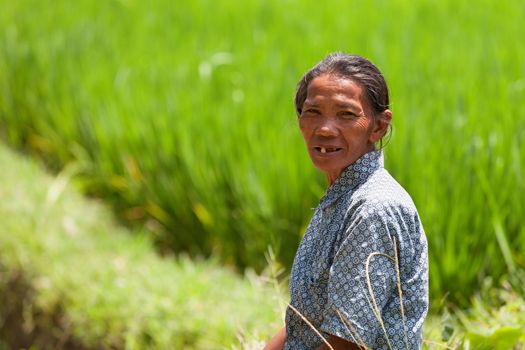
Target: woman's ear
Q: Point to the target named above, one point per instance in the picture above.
(381, 124)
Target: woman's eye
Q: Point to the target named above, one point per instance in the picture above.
(310, 112)
(348, 115)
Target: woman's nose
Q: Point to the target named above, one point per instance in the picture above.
(327, 128)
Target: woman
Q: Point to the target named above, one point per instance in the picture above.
(360, 275)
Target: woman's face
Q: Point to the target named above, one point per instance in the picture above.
(337, 124)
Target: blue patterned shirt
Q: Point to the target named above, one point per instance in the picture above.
(344, 276)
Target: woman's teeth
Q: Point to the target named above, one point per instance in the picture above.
(327, 150)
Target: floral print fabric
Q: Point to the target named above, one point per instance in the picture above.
(344, 279)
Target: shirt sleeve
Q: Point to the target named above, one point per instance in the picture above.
(362, 278)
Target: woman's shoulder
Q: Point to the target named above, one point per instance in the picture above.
(382, 207)
(383, 193)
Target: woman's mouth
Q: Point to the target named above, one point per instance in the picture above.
(325, 150)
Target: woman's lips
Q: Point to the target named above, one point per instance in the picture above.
(327, 149)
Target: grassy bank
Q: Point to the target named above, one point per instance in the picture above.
(69, 275)
(180, 115)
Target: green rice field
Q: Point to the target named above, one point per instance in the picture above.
(180, 115)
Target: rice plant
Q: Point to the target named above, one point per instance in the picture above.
(181, 116)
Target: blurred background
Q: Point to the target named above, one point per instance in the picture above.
(177, 117)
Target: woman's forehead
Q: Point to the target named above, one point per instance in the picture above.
(335, 88)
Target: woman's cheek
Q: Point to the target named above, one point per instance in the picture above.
(305, 129)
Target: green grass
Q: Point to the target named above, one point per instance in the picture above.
(181, 116)
(69, 275)
(106, 286)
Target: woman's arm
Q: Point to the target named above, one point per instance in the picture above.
(339, 344)
(277, 341)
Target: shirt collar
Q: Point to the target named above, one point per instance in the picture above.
(354, 175)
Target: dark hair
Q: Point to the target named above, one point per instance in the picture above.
(353, 67)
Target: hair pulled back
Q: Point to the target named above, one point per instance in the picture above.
(352, 67)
